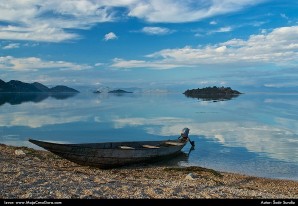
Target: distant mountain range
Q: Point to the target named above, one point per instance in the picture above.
(18, 86)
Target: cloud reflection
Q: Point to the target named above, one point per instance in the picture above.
(35, 121)
(275, 142)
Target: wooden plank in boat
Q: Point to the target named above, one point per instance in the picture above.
(150, 146)
(126, 147)
(174, 143)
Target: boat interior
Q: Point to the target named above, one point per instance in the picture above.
(151, 146)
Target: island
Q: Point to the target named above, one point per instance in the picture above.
(16, 92)
(212, 93)
(119, 91)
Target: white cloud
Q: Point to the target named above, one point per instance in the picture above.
(284, 16)
(213, 22)
(211, 82)
(48, 20)
(185, 11)
(52, 21)
(110, 36)
(12, 46)
(41, 32)
(34, 63)
(263, 31)
(98, 64)
(121, 63)
(282, 84)
(221, 49)
(221, 30)
(224, 29)
(156, 30)
(278, 47)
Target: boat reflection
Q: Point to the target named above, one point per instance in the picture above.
(173, 161)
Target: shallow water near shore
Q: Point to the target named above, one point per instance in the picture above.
(254, 133)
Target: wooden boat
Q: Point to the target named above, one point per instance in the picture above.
(114, 154)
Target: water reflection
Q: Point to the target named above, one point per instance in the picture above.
(177, 160)
(190, 150)
(252, 131)
(19, 98)
(214, 97)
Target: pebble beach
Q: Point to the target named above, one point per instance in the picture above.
(28, 173)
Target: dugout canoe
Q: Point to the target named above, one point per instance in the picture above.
(114, 154)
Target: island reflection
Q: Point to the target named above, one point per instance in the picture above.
(19, 98)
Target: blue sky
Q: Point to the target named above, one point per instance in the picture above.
(150, 43)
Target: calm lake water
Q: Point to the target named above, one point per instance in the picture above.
(254, 133)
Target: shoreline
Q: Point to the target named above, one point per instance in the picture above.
(29, 173)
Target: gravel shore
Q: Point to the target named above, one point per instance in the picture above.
(28, 173)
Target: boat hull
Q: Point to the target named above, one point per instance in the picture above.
(114, 154)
